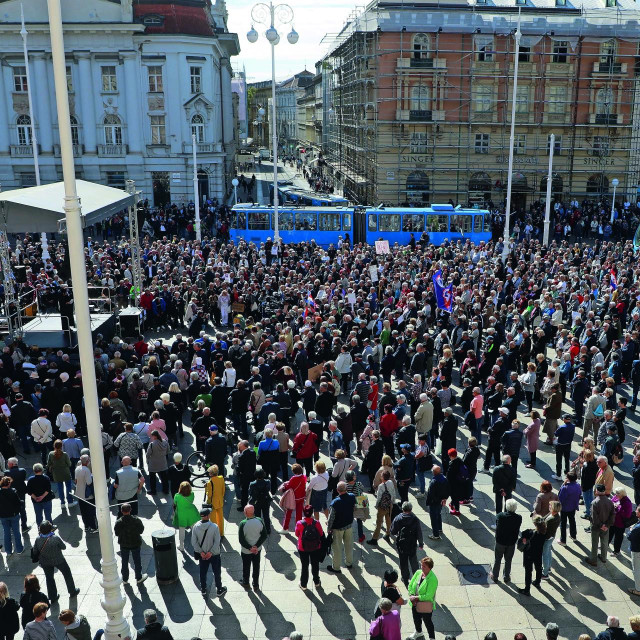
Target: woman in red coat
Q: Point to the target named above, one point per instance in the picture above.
(298, 483)
(305, 445)
(388, 426)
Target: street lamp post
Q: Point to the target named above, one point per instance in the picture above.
(615, 182)
(269, 14)
(512, 135)
(547, 204)
(117, 627)
(235, 182)
(261, 119)
(196, 195)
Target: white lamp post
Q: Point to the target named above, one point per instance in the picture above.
(113, 603)
(196, 195)
(235, 182)
(269, 14)
(615, 182)
(261, 114)
(547, 205)
(507, 212)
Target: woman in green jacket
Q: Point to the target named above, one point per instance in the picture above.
(59, 467)
(422, 596)
(185, 512)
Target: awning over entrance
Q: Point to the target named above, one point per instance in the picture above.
(40, 209)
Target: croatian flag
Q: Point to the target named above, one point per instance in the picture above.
(613, 280)
(310, 304)
(444, 294)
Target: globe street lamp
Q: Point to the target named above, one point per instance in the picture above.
(235, 182)
(615, 182)
(270, 14)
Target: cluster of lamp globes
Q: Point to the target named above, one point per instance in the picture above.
(272, 36)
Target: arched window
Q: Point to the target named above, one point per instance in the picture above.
(480, 181)
(597, 185)
(418, 187)
(420, 46)
(556, 186)
(24, 129)
(75, 138)
(197, 127)
(420, 97)
(112, 130)
(604, 101)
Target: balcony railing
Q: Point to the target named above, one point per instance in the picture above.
(606, 119)
(202, 147)
(112, 150)
(22, 150)
(77, 150)
(419, 115)
(610, 67)
(422, 63)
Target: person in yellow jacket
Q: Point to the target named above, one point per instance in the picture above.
(422, 596)
(214, 497)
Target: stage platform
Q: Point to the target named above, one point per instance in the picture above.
(47, 330)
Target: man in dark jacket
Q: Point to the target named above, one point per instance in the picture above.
(22, 414)
(437, 494)
(634, 542)
(405, 469)
(153, 630)
(200, 428)
(19, 483)
(508, 524)
(246, 470)
(316, 426)
(359, 415)
(613, 631)
(128, 529)
(238, 404)
(215, 449)
(496, 430)
(373, 460)
(504, 483)
(511, 442)
(448, 436)
(408, 532)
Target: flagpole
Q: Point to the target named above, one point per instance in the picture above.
(34, 140)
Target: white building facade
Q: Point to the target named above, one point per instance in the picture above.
(141, 81)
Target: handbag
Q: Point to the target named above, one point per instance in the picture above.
(424, 606)
(35, 552)
(288, 500)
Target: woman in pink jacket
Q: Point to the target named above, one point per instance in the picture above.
(532, 434)
(298, 483)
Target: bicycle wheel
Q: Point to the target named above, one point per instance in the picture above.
(197, 466)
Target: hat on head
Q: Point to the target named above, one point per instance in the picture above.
(308, 383)
(64, 376)
(452, 452)
(213, 427)
(503, 410)
(601, 488)
(612, 427)
(205, 511)
(567, 416)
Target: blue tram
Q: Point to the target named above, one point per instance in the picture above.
(324, 225)
(294, 195)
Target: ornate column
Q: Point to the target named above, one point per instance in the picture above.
(41, 102)
(132, 100)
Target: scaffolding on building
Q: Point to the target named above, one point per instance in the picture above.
(418, 101)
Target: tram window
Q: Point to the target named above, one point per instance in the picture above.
(373, 222)
(413, 222)
(239, 220)
(477, 224)
(285, 220)
(487, 223)
(306, 221)
(460, 224)
(346, 222)
(389, 221)
(258, 220)
(437, 223)
(329, 222)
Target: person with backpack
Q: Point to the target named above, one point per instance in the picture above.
(408, 533)
(611, 447)
(311, 540)
(436, 498)
(385, 497)
(563, 439)
(594, 412)
(531, 543)
(405, 469)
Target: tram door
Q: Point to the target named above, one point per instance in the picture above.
(359, 225)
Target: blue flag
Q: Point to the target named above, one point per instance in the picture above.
(444, 295)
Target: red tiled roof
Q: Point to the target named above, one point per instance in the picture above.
(178, 18)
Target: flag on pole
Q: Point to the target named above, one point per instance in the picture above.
(444, 294)
(311, 303)
(613, 280)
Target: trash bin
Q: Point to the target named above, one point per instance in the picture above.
(165, 555)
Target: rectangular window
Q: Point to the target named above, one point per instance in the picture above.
(259, 220)
(608, 50)
(285, 220)
(238, 219)
(521, 3)
(601, 146)
(437, 223)
(484, 48)
(482, 143)
(520, 144)
(389, 222)
(346, 222)
(560, 51)
(109, 80)
(196, 79)
(372, 223)
(483, 102)
(418, 143)
(557, 145)
(522, 100)
(477, 224)
(611, 3)
(115, 179)
(561, 3)
(557, 99)
(329, 222)
(413, 222)
(69, 79)
(158, 132)
(155, 79)
(460, 224)
(20, 79)
(306, 221)
(525, 54)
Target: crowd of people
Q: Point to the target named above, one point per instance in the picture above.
(330, 381)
